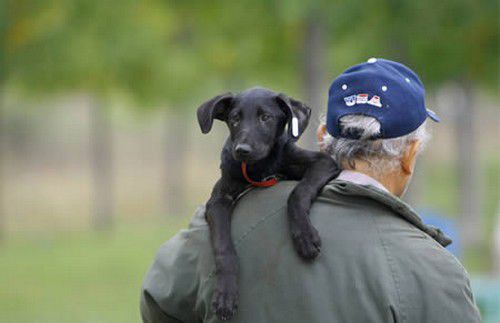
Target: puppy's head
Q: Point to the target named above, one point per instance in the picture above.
(256, 118)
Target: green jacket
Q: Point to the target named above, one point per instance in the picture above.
(376, 265)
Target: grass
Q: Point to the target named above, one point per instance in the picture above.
(78, 277)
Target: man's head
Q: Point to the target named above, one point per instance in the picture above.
(256, 118)
(376, 121)
(390, 161)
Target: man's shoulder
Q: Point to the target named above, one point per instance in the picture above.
(345, 222)
(350, 222)
(258, 203)
(364, 242)
(257, 208)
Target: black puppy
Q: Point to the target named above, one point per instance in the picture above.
(264, 127)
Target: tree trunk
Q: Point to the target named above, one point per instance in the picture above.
(3, 229)
(468, 167)
(4, 25)
(101, 141)
(314, 65)
(175, 157)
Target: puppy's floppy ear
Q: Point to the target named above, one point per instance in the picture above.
(298, 114)
(215, 108)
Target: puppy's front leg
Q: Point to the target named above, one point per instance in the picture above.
(218, 214)
(315, 169)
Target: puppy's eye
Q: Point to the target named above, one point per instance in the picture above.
(265, 117)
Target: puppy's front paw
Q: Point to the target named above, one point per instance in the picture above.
(225, 300)
(306, 240)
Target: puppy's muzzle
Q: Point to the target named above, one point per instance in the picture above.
(242, 151)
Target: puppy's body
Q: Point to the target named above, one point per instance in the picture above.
(263, 133)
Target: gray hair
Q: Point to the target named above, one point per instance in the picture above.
(381, 154)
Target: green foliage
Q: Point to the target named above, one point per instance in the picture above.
(457, 40)
(3, 31)
(174, 51)
(444, 40)
(96, 46)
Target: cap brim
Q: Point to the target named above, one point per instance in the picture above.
(431, 114)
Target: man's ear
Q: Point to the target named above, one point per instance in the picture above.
(215, 108)
(320, 134)
(410, 157)
(297, 113)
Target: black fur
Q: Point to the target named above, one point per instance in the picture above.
(259, 122)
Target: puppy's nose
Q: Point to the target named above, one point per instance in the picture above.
(243, 149)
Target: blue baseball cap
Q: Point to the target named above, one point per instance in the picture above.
(385, 90)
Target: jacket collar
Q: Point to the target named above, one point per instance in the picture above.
(344, 187)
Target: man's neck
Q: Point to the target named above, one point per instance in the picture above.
(388, 180)
(360, 179)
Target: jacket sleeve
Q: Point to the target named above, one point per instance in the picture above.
(152, 313)
(171, 286)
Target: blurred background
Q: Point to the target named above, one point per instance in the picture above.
(101, 158)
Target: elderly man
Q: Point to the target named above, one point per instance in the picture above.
(379, 262)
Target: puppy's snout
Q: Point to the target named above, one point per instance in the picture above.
(243, 149)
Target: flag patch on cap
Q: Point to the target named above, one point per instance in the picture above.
(362, 98)
(375, 100)
(350, 100)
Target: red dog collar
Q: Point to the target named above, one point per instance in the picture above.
(266, 183)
